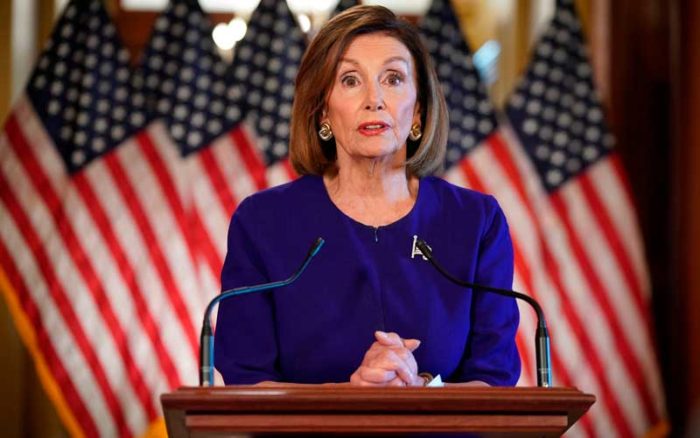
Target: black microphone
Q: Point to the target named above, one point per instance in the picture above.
(544, 371)
(206, 338)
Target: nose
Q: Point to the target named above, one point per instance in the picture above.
(374, 98)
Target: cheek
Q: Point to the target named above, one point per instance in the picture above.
(406, 113)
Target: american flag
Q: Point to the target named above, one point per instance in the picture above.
(562, 187)
(116, 187)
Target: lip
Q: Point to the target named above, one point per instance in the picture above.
(374, 127)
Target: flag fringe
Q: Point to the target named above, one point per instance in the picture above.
(661, 429)
(28, 337)
(156, 429)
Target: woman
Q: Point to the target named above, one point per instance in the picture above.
(369, 125)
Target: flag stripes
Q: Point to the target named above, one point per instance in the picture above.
(69, 393)
(82, 281)
(493, 160)
(140, 307)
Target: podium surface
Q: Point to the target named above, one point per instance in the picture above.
(344, 409)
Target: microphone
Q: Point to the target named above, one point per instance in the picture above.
(206, 338)
(544, 371)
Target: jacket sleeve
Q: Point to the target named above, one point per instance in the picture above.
(245, 335)
(491, 354)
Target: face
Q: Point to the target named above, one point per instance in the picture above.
(373, 100)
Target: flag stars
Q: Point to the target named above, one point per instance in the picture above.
(583, 70)
(119, 113)
(101, 125)
(485, 126)
(454, 154)
(254, 98)
(98, 145)
(122, 74)
(561, 138)
(54, 108)
(282, 130)
(542, 152)
(184, 93)
(530, 126)
(78, 157)
(241, 73)
(168, 87)
(80, 138)
(533, 107)
(233, 113)
(554, 177)
(558, 158)
(117, 132)
(177, 130)
(590, 153)
(83, 118)
(537, 88)
(556, 75)
(66, 133)
(269, 104)
(194, 139)
(573, 165)
(285, 110)
(266, 123)
(198, 120)
(546, 133)
(541, 69)
(549, 113)
(137, 119)
(592, 134)
(467, 142)
(214, 127)
(60, 68)
(468, 122)
(280, 149)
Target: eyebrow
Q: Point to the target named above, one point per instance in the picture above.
(388, 61)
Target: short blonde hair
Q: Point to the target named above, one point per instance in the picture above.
(316, 76)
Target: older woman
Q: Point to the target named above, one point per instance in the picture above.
(369, 127)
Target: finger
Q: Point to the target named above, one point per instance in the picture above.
(375, 350)
(392, 362)
(364, 383)
(376, 375)
(396, 382)
(411, 344)
(407, 357)
(388, 339)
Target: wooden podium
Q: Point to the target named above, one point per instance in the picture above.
(340, 409)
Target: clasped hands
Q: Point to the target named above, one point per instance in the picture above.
(389, 362)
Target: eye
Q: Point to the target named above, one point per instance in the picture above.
(394, 78)
(349, 81)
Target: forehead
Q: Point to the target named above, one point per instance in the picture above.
(376, 47)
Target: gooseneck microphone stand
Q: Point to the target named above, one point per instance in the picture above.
(206, 338)
(544, 370)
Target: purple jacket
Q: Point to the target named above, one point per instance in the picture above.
(365, 279)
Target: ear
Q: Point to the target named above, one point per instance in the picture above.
(416, 114)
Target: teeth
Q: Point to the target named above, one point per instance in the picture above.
(373, 126)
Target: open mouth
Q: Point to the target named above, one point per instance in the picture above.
(373, 128)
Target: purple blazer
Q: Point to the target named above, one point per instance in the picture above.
(365, 279)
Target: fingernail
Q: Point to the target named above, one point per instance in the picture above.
(380, 333)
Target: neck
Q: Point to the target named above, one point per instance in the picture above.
(373, 194)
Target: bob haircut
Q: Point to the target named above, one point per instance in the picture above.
(316, 76)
